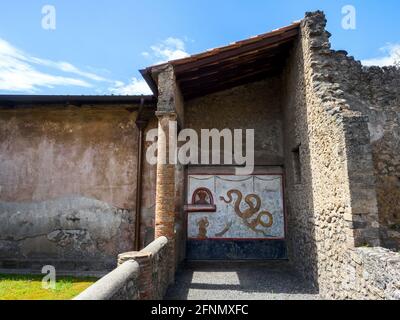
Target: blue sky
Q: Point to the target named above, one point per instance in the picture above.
(99, 45)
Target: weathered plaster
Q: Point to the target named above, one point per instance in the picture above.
(82, 231)
(148, 194)
(68, 184)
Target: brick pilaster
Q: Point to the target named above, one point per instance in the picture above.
(165, 189)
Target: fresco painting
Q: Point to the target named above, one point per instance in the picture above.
(247, 207)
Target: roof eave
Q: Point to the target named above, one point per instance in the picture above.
(7, 101)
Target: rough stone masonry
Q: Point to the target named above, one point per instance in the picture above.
(345, 122)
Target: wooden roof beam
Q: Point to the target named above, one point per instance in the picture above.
(230, 75)
(249, 59)
(218, 57)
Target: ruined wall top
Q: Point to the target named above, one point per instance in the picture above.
(346, 74)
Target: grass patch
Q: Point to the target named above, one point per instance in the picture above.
(29, 287)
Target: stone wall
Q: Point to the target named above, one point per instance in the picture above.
(332, 206)
(373, 273)
(140, 275)
(375, 93)
(120, 284)
(68, 186)
(155, 275)
(253, 106)
(319, 198)
(302, 249)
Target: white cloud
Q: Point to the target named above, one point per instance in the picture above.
(135, 87)
(69, 68)
(19, 72)
(391, 57)
(167, 50)
(23, 73)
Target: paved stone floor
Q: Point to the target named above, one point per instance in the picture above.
(273, 280)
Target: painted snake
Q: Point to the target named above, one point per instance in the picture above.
(251, 211)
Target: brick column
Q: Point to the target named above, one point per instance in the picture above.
(165, 189)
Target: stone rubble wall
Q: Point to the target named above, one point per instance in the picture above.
(299, 200)
(140, 275)
(366, 102)
(318, 205)
(345, 129)
(155, 269)
(374, 273)
(375, 93)
(159, 269)
(333, 209)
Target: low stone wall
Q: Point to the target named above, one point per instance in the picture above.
(156, 271)
(119, 284)
(140, 275)
(373, 273)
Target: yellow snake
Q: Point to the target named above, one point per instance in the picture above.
(251, 211)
